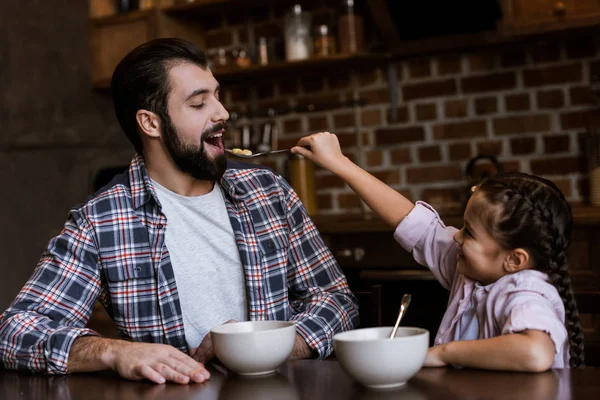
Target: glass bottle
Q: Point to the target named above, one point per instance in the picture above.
(298, 42)
(324, 43)
(351, 30)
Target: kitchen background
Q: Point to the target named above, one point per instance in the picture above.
(411, 112)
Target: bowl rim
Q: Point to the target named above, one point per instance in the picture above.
(343, 336)
(225, 328)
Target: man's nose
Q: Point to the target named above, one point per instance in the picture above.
(458, 237)
(220, 113)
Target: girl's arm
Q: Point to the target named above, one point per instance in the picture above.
(530, 351)
(324, 149)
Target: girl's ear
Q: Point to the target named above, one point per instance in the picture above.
(517, 260)
(148, 123)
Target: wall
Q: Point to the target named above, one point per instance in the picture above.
(56, 133)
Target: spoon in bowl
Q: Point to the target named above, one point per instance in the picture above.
(403, 306)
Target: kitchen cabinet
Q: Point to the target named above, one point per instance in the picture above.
(538, 16)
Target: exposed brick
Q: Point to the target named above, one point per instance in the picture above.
(237, 93)
(564, 185)
(374, 158)
(489, 83)
(400, 156)
(558, 166)
(219, 38)
(595, 70)
(292, 125)
(387, 136)
(483, 61)
(288, 87)
(459, 151)
(345, 120)
(553, 75)
(580, 119)
(391, 177)
(455, 108)
(347, 140)
(550, 98)
(324, 201)
(486, 105)
(433, 174)
(557, 144)
(312, 84)
(376, 96)
(545, 51)
(318, 103)
(517, 102)
(367, 77)
(444, 198)
(581, 47)
(511, 166)
(425, 112)
(522, 124)
(399, 72)
(491, 147)
(401, 115)
(457, 130)
(317, 124)
(419, 68)
(329, 181)
(430, 153)
(339, 80)
(423, 90)
(520, 146)
(513, 57)
(582, 95)
(265, 90)
(348, 200)
(449, 65)
(371, 118)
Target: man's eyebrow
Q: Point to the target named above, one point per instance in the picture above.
(198, 92)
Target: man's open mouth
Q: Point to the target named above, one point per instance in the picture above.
(215, 140)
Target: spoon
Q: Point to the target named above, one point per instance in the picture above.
(262, 153)
(403, 306)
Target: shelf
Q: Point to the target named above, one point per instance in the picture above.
(199, 8)
(121, 18)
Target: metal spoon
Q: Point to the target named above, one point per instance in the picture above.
(403, 306)
(263, 153)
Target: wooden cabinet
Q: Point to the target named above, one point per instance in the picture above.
(537, 16)
(111, 38)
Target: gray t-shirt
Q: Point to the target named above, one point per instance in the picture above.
(205, 260)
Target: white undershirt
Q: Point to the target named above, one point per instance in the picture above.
(205, 259)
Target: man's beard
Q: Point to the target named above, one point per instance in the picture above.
(191, 159)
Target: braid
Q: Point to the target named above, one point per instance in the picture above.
(536, 216)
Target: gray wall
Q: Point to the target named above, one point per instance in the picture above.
(56, 132)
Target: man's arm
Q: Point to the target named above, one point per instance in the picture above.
(319, 294)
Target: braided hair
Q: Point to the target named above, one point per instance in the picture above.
(534, 215)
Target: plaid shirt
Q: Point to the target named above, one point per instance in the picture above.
(113, 249)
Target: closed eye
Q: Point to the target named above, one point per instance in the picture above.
(197, 105)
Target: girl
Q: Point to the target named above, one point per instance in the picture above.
(511, 304)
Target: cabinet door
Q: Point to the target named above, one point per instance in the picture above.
(531, 16)
(111, 40)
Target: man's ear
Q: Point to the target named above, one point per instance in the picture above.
(517, 260)
(148, 123)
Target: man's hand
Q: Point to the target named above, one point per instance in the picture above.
(157, 362)
(206, 352)
(434, 357)
(301, 349)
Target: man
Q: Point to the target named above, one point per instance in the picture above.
(176, 245)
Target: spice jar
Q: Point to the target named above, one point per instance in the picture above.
(298, 43)
(302, 178)
(351, 30)
(324, 42)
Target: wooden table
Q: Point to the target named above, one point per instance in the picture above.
(309, 379)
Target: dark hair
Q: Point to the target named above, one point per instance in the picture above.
(140, 80)
(534, 215)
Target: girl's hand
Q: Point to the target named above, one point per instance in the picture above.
(434, 357)
(322, 148)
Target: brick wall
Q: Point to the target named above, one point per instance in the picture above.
(528, 104)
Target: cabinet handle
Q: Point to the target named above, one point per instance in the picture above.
(344, 253)
(560, 9)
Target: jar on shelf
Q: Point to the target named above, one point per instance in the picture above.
(301, 173)
(324, 42)
(351, 30)
(298, 41)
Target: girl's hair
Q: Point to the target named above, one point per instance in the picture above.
(533, 214)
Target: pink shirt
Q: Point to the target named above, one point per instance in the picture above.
(516, 302)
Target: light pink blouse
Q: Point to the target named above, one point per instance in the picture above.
(516, 302)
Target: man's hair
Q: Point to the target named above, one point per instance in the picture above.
(141, 80)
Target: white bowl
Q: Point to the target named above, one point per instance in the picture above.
(378, 362)
(254, 347)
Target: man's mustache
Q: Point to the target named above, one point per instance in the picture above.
(215, 128)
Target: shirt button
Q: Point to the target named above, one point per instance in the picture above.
(160, 226)
(270, 244)
(138, 269)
